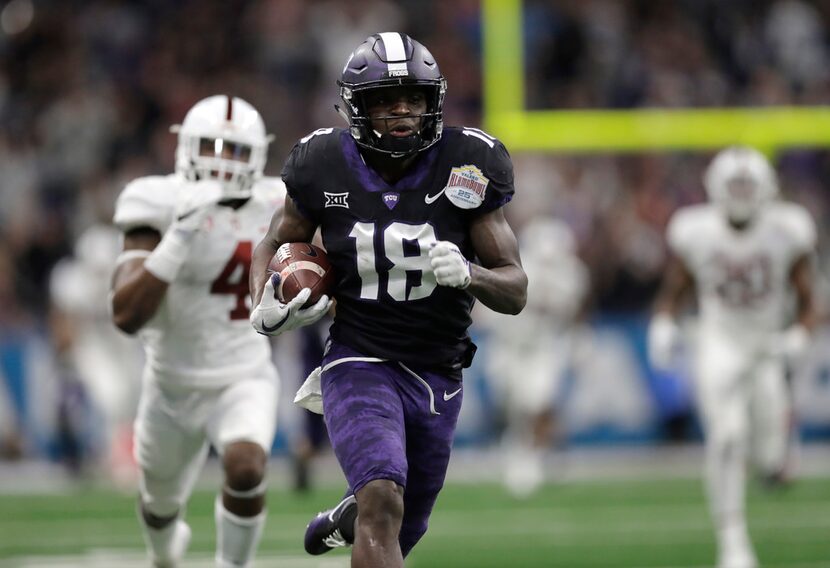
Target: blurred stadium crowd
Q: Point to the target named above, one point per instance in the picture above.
(89, 88)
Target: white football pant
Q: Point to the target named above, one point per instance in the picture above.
(174, 427)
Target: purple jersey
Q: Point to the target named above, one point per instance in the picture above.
(378, 236)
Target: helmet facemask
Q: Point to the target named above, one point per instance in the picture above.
(740, 182)
(223, 139)
(388, 60)
(427, 133)
(235, 165)
(741, 199)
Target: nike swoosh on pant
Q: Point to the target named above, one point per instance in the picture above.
(450, 395)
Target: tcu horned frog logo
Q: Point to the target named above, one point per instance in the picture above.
(742, 283)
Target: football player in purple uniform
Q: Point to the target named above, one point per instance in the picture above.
(411, 217)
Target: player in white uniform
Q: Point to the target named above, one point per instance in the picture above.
(182, 285)
(107, 362)
(528, 354)
(748, 255)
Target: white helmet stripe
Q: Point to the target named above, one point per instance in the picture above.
(395, 53)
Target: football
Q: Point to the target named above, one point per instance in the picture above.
(302, 265)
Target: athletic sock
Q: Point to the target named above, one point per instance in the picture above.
(167, 545)
(237, 537)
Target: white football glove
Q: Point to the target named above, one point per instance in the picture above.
(791, 344)
(272, 317)
(449, 265)
(194, 201)
(663, 340)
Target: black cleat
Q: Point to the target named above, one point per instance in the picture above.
(333, 528)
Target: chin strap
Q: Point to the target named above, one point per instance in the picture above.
(399, 147)
(343, 113)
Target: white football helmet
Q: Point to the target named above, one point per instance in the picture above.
(98, 248)
(740, 181)
(222, 138)
(547, 239)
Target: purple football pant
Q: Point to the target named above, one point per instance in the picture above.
(385, 422)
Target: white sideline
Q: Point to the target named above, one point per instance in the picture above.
(468, 465)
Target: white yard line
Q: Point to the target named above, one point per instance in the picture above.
(110, 558)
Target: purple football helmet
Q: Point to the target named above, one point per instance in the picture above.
(388, 60)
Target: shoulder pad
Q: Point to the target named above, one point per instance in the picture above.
(798, 223)
(146, 202)
(489, 151)
(310, 159)
(269, 189)
(492, 159)
(305, 157)
(686, 225)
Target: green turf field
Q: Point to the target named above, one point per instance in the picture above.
(578, 524)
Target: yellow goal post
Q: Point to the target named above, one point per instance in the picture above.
(592, 131)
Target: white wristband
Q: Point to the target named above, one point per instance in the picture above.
(132, 254)
(168, 257)
(795, 340)
(664, 322)
(469, 276)
(661, 340)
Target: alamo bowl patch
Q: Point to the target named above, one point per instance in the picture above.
(466, 187)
